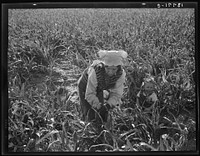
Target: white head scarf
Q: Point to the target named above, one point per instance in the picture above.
(112, 57)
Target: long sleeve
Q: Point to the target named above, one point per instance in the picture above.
(90, 94)
(117, 92)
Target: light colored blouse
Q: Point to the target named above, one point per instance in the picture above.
(115, 93)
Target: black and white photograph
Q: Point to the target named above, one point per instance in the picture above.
(100, 79)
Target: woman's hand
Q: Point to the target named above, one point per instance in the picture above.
(106, 94)
(97, 105)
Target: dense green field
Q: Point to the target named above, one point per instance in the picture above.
(49, 48)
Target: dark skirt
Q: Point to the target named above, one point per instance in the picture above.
(88, 113)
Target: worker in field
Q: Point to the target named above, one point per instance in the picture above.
(101, 86)
(147, 97)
